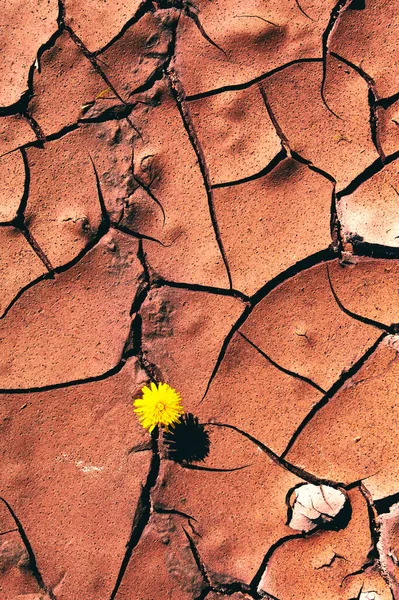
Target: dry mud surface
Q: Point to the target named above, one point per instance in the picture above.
(204, 193)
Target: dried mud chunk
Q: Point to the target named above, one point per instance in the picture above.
(65, 87)
(367, 38)
(316, 505)
(250, 393)
(162, 560)
(25, 28)
(272, 222)
(370, 586)
(183, 332)
(12, 185)
(334, 133)
(369, 287)
(15, 131)
(245, 40)
(84, 18)
(318, 566)
(349, 439)
(388, 546)
(70, 478)
(370, 212)
(300, 326)
(166, 163)
(236, 134)
(73, 327)
(63, 211)
(19, 265)
(245, 508)
(135, 57)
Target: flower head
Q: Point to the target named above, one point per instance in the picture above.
(159, 405)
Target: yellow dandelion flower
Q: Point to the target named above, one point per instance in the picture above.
(159, 405)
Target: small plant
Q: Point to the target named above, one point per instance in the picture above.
(160, 405)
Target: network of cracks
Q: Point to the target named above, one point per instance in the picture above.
(203, 193)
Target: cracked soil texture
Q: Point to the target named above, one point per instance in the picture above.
(206, 194)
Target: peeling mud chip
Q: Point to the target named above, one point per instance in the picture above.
(314, 506)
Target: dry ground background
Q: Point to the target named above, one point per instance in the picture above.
(203, 193)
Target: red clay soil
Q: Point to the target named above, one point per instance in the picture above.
(205, 194)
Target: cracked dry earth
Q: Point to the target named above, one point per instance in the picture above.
(203, 193)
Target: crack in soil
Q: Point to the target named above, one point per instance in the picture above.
(178, 94)
(32, 559)
(133, 346)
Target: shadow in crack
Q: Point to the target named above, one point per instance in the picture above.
(357, 5)
(188, 441)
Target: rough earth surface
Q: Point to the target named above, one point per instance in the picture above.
(202, 193)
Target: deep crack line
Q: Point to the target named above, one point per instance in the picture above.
(302, 265)
(65, 384)
(387, 102)
(191, 467)
(258, 576)
(280, 156)
(301, 473)
(273, 118)
(280, 367)
(372, 169)
(145, 7)
(24, 289)
(32, 559)
(374, 250)
(364, 320)
(198, 561)
(192, 15)
(19, 221)
(95, 57)
(139, 236)
(197, 287)
(313, 167)
(302, 11)
(131, 348)
(332, 391)
(336, 12)
(36, 248)
(50, 274)
(178, 95)
(92, 59)
(147, 189)
(162, 69)
(247, 84)
(285, 142)
(21, 105)
(373, 553)
(142, 513)
(372, 100)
